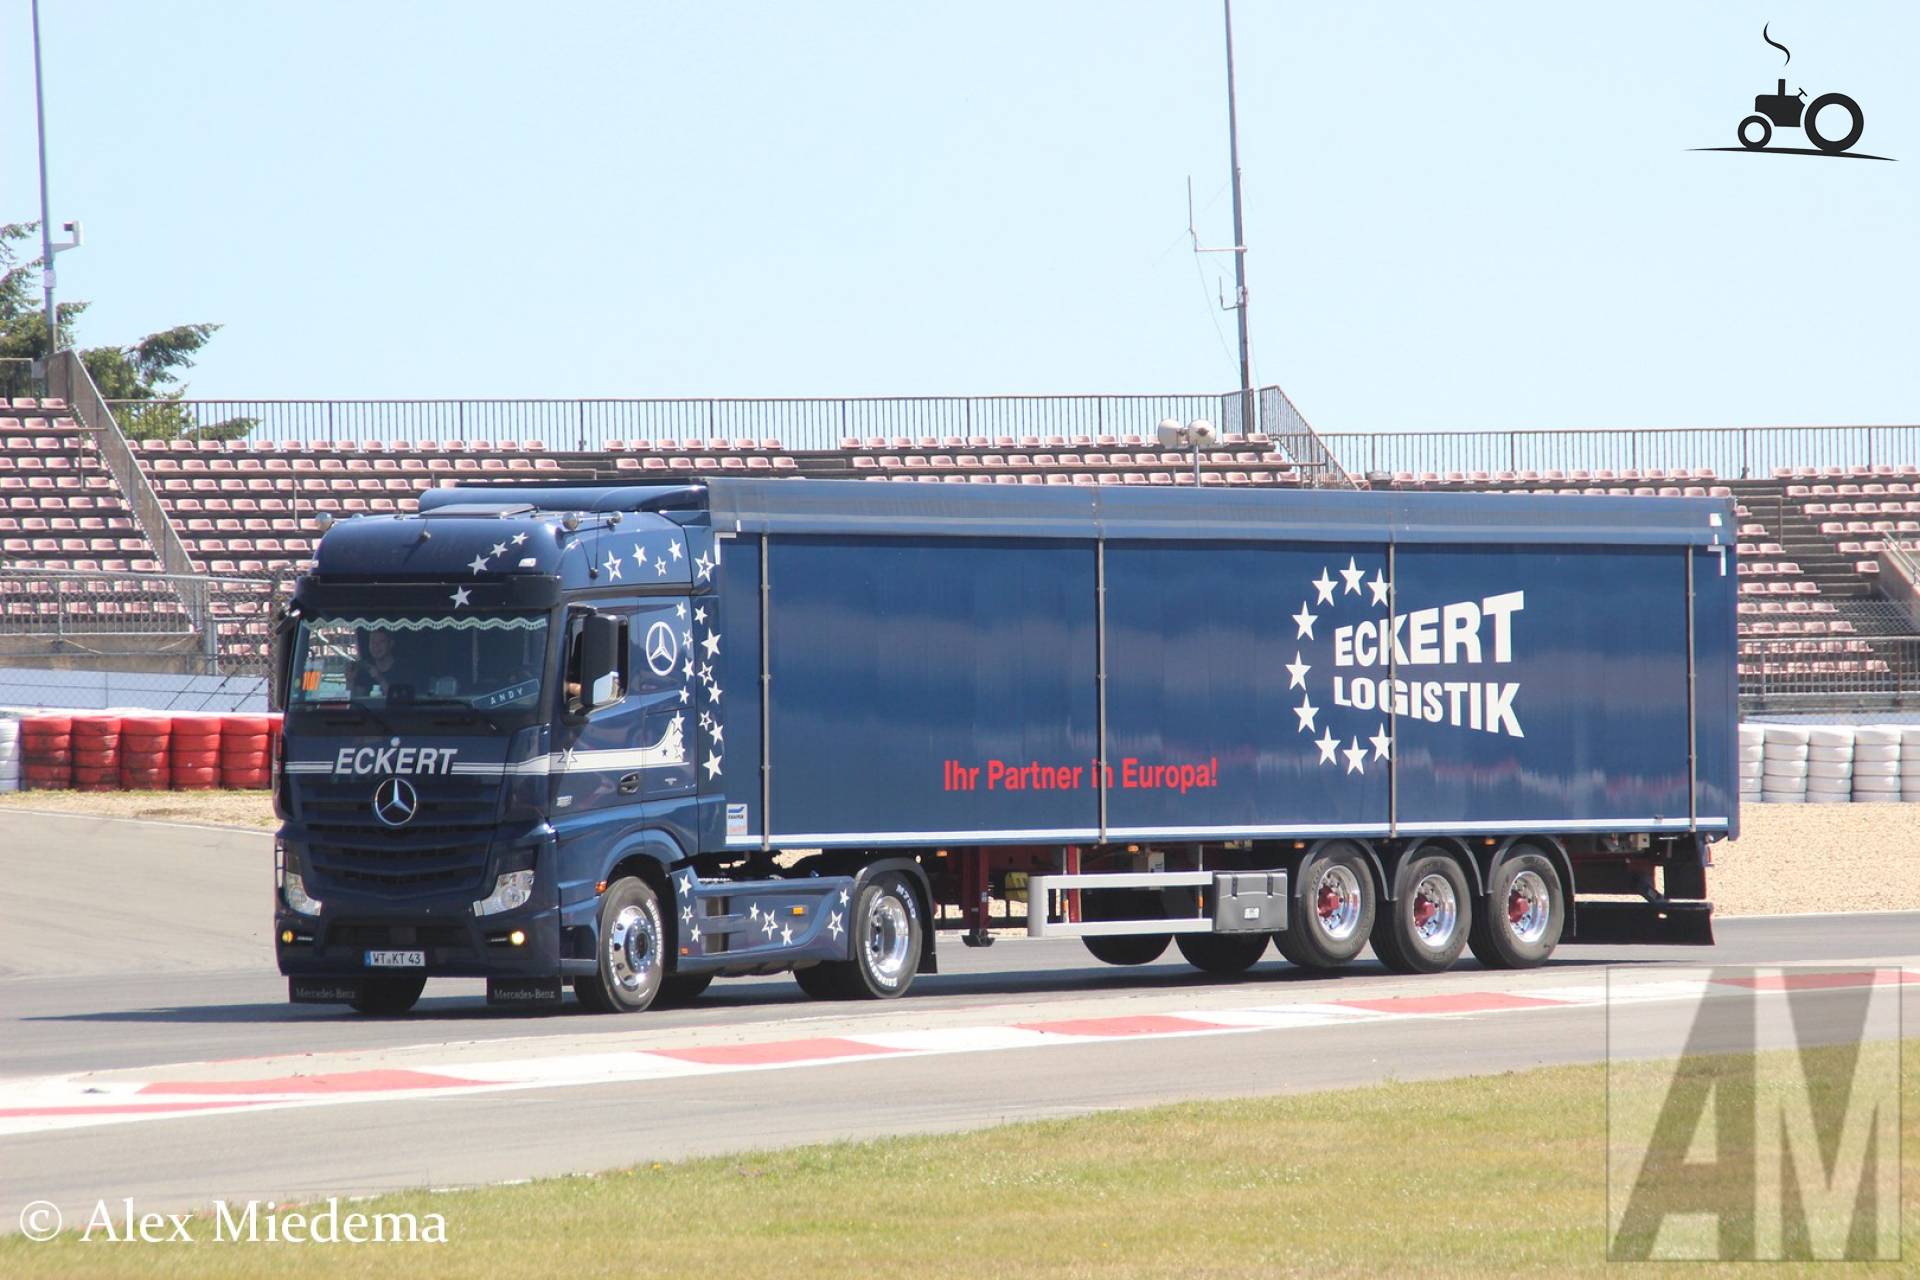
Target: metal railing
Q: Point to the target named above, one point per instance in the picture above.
(799, 424)
(1732, 452)
(70, 614)
(67, 376)
(1854, 674)
(1299, 441)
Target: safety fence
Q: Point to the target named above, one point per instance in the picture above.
(1732, 452)
(799, 424)
(1853, 674)
(197, 624)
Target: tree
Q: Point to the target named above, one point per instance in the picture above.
(148, 371)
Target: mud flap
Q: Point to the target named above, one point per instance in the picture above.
(323, 990)
(1671, 924)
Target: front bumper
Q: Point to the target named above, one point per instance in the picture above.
(336, 946)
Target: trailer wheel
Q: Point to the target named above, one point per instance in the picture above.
(886, 938)
(682, 988)
(1124, 904)
(1222, 954)
(1525, 910)
(1332, 909)
(1424, 928)
(389, 995)
(631, 963)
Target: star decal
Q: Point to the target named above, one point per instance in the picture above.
(1328, 744)
(703, 566)
(460, 596)
(1379, 586)
(684, 695)
(834, 926)
(1351, 575)
(719, 733)
(1323, 585)
(712, 766)
(713, 692)
(1297, 672)
(519, 539)
(1306, 711)
(1304, 621)
(711, 644)
(753, 913)
(660, 568)
(499, 549)
(639, 556)
(696, 935)
(686, 884)
(680, 610)
(478, 564)
(613, 567)
(686, 915)
(673, 548)
(1382, 744)
(786, 935)
(699, 614)
(770, 926)
(844, 896)
(1356, 757)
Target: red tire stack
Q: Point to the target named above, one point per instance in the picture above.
(96, 753)
(46, 752)
(245, 751)
(195, 753)
(146, 747)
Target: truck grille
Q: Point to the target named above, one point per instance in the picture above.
(442, 850)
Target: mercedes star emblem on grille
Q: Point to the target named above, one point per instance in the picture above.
(395, 802)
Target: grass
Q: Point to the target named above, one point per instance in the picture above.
(250, 809)
(1482, 1176)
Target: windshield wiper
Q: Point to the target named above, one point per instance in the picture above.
(456, 704)
(344, 709)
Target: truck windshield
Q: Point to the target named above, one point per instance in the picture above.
(484, 663)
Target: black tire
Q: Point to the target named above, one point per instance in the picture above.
(1505, 935)
(1766, 132)
(1424, 928)
(631, 963)
(682, 988)
(819, 981)
(1317, 937)
(1833, 146)
(1124, 904)
(1225, 955)
(388, 995)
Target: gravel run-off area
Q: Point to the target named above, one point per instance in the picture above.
(1789, 858)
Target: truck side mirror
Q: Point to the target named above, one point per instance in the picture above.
(603, 662)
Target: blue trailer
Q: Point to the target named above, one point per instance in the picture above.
(635, 737)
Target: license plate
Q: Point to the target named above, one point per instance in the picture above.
(396, 959)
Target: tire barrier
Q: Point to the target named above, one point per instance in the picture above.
(145, 744)
(245, 752)
(96, 753)
(195, 754)
(9, 755)
(1830, 764)
(46, 752)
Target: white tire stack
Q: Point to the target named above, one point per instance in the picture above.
(1830, 751)
(10, 755)
(1783, 768)
(1753, 748)
(1876, 764)
(1910, 764)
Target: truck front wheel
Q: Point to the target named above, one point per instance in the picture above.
(389, 995)
(1332, 909)
(1524, 912)
(1424, 928)
(632, 960)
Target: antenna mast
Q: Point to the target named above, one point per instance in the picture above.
(1239, 236)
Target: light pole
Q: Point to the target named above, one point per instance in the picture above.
(47, 247)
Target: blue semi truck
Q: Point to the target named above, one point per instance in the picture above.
(631, 738)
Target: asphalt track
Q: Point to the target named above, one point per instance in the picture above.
(135, 956)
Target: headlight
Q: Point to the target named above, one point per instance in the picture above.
(509, 891)
(294, 889)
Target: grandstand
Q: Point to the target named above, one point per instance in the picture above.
(1826, 615)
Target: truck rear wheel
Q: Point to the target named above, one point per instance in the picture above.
(1222, 954)
(632, 961)
(1124, 904)
(1332, 908)
(1525, 911)
(1424, 928)
(886, 938)
(389, 995)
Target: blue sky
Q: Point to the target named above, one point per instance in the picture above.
(1460, 215)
